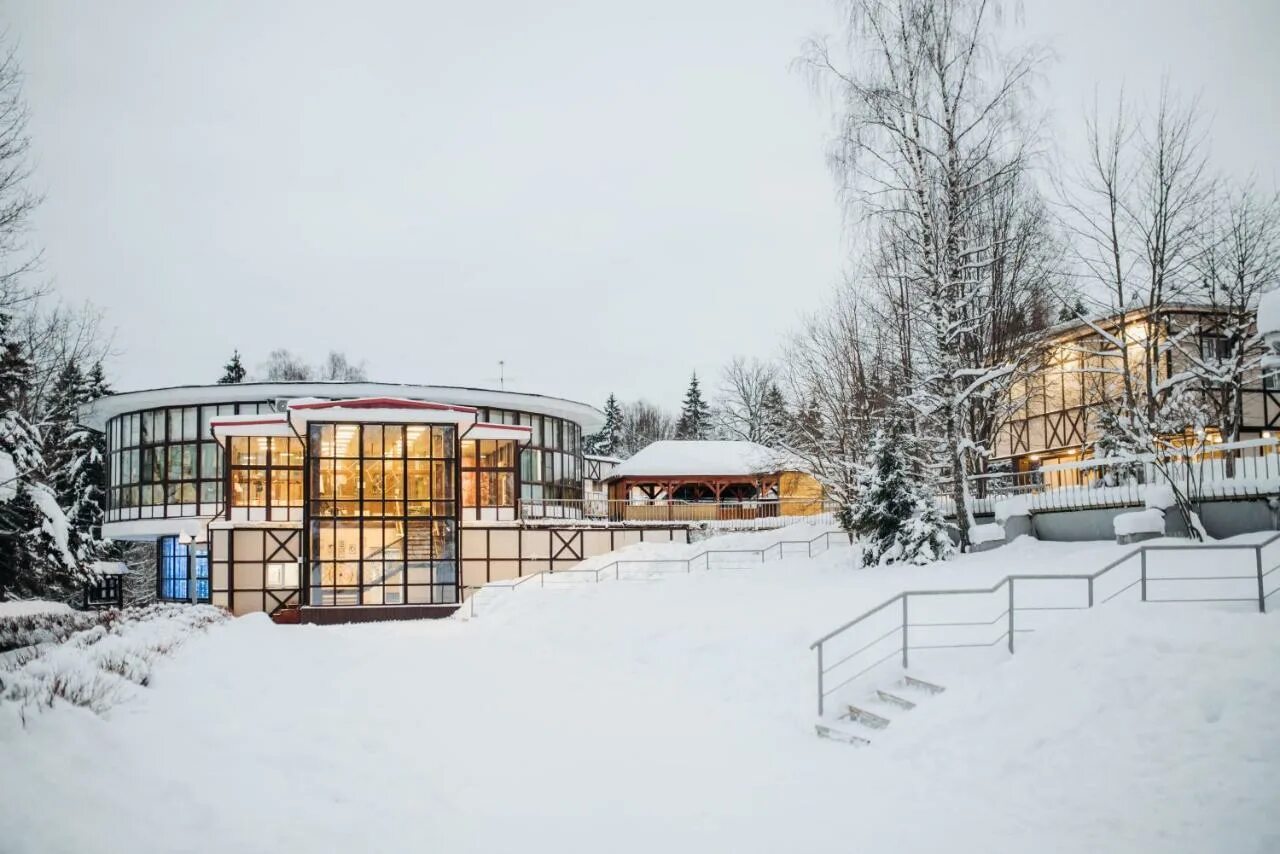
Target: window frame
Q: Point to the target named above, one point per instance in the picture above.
(269, 469)
(134, 491)
(172, 566)
(328, 511)
(478, 470)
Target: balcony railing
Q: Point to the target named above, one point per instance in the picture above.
(1249, 469)
(733, 514)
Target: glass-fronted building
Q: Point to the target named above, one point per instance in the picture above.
(304, 496)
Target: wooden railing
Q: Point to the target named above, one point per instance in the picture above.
(776, 512)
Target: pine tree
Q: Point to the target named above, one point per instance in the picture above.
(34, 553)
(97, 382)
(887, 499)
(608, 441)
(232, 371)
(925, 539)
(897, 517)
(695, 414)
(775, 420)
(73, 461)
(1072, 310)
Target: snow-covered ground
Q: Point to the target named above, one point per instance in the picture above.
(671, 711)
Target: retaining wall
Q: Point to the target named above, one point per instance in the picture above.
(1221, 519)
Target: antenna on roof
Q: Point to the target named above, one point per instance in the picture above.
(502, 375)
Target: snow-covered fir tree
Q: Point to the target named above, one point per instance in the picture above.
(897, 518)
(73, 461)
(925, 538)
(35, 554)
(775, 420)
(695, 414)
(1072, 309)
(233, 371)
(607, 442)
(887, 499)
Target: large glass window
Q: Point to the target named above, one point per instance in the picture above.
(266, 472)
(382, 529)
(175, 561)
(164, 462)
(551, 464)
(488, 476)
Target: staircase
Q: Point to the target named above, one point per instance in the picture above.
(860, 724)
(418, 543)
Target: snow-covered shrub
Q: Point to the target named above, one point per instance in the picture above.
(90, 660)
(56, 627)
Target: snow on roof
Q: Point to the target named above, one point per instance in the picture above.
(1269, 312)
(96, 413)
(687, 457)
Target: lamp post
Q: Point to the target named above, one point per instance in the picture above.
(187, 541)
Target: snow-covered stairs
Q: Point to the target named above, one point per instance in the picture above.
(869, 716)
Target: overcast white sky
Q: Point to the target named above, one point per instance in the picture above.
(606, 195)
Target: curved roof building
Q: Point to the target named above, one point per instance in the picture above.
(312, 495)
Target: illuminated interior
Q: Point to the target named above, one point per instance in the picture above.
(382, 508)
(488, 479)
(266, 472)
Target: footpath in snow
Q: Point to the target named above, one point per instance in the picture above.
(670, 711)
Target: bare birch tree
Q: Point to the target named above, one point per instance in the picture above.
(1239, 258)
(17, 200)
(834, 376)
(642, 424)
(930, 130)
(742, 404)
(1137, 215)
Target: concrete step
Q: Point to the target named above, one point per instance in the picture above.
(919, 686)
(895, 700)
(833, 734)
(866, 717)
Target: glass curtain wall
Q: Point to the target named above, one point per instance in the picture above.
(488, 477)
(551, 464)
(164, 463)
(266, 473)
(382, 513)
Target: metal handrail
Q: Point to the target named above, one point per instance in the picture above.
(1010, 581)
(688, 563)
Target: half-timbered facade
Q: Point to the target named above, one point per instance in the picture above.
(1055, 411)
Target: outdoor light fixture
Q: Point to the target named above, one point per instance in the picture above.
(186, 538)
